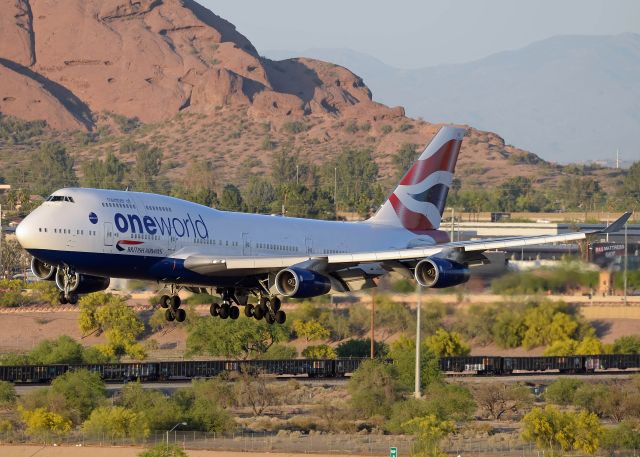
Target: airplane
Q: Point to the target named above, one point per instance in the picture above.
(80, 238)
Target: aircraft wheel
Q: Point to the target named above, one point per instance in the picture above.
(248, 310)
(169, 316)
(62, 298)
(181, 315)
(175, 302)
(270, 319)
(164, 301)
(281, 317)
(258, 312)
(224, 311)
(214, 309)
(234, 312)
(275, 304)
(73, 299)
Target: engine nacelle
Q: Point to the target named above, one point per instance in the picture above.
(82, 284)
(439, 273)
(299, 283)
(43, 270)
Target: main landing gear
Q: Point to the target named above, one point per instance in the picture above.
(172, 303)
(65, 281)
(267, 308)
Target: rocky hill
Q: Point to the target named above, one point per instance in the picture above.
(202, 92)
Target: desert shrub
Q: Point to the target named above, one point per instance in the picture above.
(320, 351)
(64, 349)
(115, 422)
(623, 436)
(429, 432)
(447, 344)
(295, 127)
(386, 129)
(562, 391)
(11, 293)
(502, 401)
(552, 429)
(162, 450)
(7, 395)
(17, 131)
(280, 351)
(43, 424)
(361, 348)
(374, 388)
(626, 345)
(204, 406)
(82, 391)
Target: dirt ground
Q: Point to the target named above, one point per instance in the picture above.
(63, 451)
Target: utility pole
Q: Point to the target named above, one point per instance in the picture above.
(417, 385)
(1, 239)
(335, 190)
(373, 313)
(626, 263)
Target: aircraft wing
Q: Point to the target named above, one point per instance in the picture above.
(211, 265)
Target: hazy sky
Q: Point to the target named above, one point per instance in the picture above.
(418, 33)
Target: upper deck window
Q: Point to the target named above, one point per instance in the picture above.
(59, 198)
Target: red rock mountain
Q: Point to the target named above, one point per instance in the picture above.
(64, 61)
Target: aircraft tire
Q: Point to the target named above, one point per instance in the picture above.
(224, 311)
(234, 312)
(281, 317)
(270, 319)
(275, 304)
(164, 301)
(248, 310)
(175, 302)
(214, 310)
(73, 299)
(62, 298)
(181, 315)
(169, 316)
(258, 312)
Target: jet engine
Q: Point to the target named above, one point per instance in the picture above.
(82, 284)
(43, 270)
(439, 273)
(299, 283)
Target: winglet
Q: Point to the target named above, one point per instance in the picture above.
(618, 224)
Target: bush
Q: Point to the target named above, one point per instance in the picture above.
(82, 391)
(361, 348)
(321, 351)
(64, 349)
(295, 127)
(501, 401)
(403, 353)
(162, 450)
(203, 406)
(429, 432)
(116, 422)
(280, 352)
(445, 344)
(626, 345)
(374, 388)
(7, 394)
(43, 424)
(562, 391)
(11, 295)
(624, 436)
(549, 428)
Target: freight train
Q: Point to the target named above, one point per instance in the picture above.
(325, 368)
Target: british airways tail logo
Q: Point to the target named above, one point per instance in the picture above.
(189, 227)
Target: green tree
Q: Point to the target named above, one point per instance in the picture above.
(116, 422)
(109, 314)
(403, 353)
(82, 390)
(7, 395)
(279, 351)
(64, 349)
(148, 164)
(231, 199)
(311, 330)
(260, 195)
(204, 405)
(199, 184)
(241, 338)
(44, 424)
(626, 345)
(429, 432)
(562, 391)
(447, 344)
(321, 351)
(623, 436)
(104, 174)
(552, 429)
(374, 388)
(361, 348)
(51, 168)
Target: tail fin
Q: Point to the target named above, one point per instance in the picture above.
(419, 200)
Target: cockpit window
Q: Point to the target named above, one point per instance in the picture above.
(60, 198)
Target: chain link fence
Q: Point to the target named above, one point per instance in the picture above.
(313, 443)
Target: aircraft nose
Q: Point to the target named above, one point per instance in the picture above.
(25, 232)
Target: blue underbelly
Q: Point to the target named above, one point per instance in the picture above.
(137, 267)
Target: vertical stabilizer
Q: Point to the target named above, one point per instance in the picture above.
(419, 200)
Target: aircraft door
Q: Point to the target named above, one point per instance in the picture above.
(246, 244)
(108, 234)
